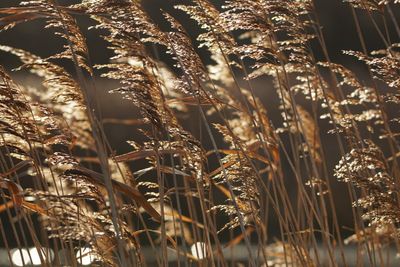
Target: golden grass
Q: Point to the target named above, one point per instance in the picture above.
(224, 185)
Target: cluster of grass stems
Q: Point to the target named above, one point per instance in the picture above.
(238, 176)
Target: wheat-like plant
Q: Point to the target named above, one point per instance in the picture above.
(226, 152)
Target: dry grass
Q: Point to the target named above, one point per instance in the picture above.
(64, 186)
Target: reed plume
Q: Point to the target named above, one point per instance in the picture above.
(207, 164)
